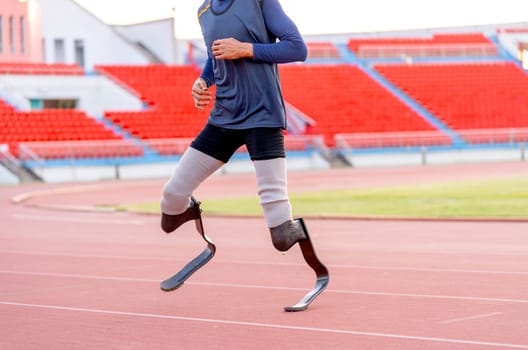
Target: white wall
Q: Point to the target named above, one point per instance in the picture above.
(7, 178)
(65, 19)
(80, 173)
(157, 36)
(12, 96)
(433, 157)
(95, 93)
(510, 41)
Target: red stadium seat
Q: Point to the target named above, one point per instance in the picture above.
(344, 99)
(467, 95)
(49, 125)
(165, 89)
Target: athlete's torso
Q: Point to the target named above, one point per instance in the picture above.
(248, 92)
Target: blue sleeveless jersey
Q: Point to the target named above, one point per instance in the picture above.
(248, 92)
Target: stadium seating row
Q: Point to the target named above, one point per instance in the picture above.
(466, 96)
(344, 99)
(322, 50)
(458, 44)
(341, 98)
(40, 68)
(80, 149)
(49, 125)
(165, 89)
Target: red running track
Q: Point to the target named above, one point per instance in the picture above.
(81, 279)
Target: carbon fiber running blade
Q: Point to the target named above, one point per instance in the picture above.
(195, 264)
(303, 304)
(321, 272)
(177, 280)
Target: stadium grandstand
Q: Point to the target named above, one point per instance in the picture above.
(93, 101)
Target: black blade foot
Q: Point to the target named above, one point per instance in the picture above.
(320, 270)
(195, 264)
(177, 280)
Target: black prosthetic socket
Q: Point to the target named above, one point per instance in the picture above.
(287, 234)
(169, 223)
(177, 280)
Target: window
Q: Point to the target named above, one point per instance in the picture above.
(523, 54)
(44, 50)
(79, 52)
(22, 35)
(1, 34)
(37, 103)
(59, 51)
(62, 103)
(12, 34)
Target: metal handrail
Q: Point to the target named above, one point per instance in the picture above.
(429, 138)
(426, 50)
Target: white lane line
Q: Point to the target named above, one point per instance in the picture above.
(267, 263)
(267, 325)
(72, 275)
(469, 318)
(92, 256)
(66, 190)
(77, 219)
(418, 269)
(254, 286)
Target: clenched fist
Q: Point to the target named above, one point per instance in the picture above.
(231, 49)
(201, 94)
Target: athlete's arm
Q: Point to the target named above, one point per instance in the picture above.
(290, 46)
(207, 73)
(200, 89)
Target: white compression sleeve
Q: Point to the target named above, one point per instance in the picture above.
(193, 168)
(272, 190)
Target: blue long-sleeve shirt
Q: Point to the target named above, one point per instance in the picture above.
(248, 91)
(290, 46)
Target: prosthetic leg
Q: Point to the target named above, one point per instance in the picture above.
(283, 238)
(285, 231)
(193, 167)
(172, 222)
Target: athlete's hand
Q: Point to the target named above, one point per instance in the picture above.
(201, 94)
(231, 49)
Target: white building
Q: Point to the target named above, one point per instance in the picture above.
(72, 35)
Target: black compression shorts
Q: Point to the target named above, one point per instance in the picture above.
(221, 143)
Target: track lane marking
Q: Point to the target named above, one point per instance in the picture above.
(77, 219)
(267, 263)
(470, 318)
(267, 325)
(254, 286)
